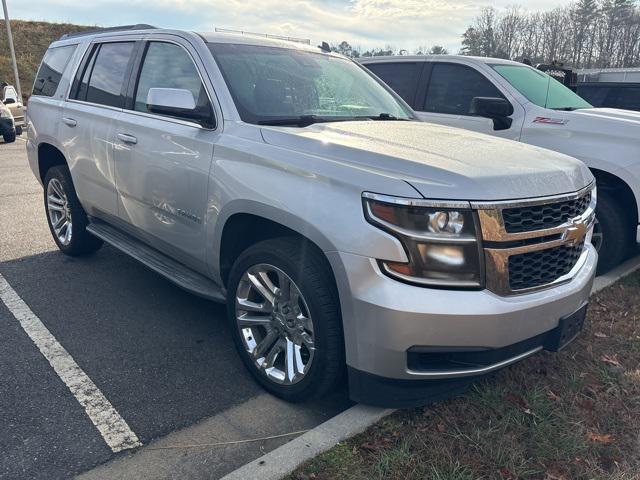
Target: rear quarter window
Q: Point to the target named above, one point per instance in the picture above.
(51, 69)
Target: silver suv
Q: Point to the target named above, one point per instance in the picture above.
(288, 182)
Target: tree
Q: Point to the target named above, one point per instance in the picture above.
(438, 50)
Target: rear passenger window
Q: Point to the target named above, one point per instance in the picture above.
(402, 77)
(51, 69)
(167, 65)
(104, 74)
(453, 86)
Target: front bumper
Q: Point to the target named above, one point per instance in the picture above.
(384, 319)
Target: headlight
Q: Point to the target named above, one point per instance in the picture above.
(440, 240)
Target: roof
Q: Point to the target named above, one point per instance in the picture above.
(211, 37)
(431, 58)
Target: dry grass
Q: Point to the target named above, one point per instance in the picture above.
(573, 415)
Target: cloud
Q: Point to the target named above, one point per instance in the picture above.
(367, 23)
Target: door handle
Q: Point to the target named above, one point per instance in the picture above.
(69, 121)
(127, 138)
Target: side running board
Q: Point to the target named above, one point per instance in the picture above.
(172, 270)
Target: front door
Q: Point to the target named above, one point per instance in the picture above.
(450, 90)
(163, 163)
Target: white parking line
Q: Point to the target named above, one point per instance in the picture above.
(110, 424)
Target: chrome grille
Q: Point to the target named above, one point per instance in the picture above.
(539, 217)
(533, 269)
(533, 244)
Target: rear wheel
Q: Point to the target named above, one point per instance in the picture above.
(18, 130)
(611, 234)
(284, 314)
(66, 218)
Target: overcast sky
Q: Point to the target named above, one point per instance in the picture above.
(364, 23)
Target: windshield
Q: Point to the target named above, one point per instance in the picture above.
(273, 85)
(540, 88)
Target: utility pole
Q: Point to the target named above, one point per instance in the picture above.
(13, 52)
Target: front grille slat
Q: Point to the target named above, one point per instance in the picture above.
(540, 217)
(534, 269)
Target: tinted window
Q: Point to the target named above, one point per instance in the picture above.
(108, 74)
(614, 96)
(51, 70)
(167, 65)
(452, 87)
(401, 76)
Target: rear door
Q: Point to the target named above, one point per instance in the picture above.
(88, 122)
(162, 163)
(449, 90)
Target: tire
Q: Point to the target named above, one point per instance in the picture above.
(18, 131)
(9, 137)
(63, 207)
(613, 229)
(309, 273)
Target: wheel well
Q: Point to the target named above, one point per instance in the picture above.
(618, 189)
(49, 156)
(243, 230)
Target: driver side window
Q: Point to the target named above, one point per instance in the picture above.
(167, 65)
(452, 87)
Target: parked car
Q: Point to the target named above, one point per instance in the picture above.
(515, 101)
(11, 99)
(288, 182)
(7, 126)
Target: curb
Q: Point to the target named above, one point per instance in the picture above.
(286, 458)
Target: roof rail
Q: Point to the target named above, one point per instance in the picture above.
(306, 41)
(139, 26)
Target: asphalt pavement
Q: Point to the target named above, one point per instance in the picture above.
(163, 358)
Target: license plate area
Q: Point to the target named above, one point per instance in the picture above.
(567, 330)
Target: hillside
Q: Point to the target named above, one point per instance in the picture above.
(31, 40)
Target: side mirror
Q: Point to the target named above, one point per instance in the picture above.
(177, 102)
(497, 109)
(9, 101)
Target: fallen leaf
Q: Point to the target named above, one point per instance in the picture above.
(611, 359)
(517, 400)
(585, 403)
(595, 437)
(506, 474)
(600, 335)
(552, 396)
(440, 427)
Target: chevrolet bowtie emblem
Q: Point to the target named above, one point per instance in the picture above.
(576, 232)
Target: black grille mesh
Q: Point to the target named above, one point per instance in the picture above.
(534, 269)
(538, 217)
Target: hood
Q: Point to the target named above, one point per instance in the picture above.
(613, 115)
(440, 162)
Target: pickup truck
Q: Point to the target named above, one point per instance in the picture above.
(515, 101)
(344, 235)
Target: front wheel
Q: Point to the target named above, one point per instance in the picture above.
(285, 318)
(611, 236)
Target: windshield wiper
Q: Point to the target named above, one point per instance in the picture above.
(384, 116)
(303, 120)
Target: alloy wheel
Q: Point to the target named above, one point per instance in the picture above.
(275, 324)
(59, 212)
